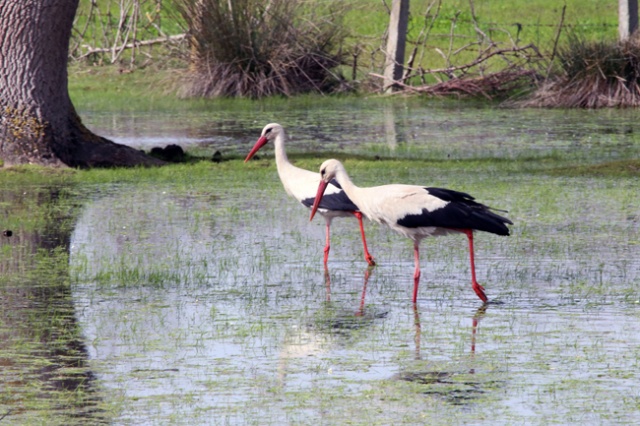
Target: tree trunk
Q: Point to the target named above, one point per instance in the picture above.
(38, 123)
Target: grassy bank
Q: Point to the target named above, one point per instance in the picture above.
(443, 34)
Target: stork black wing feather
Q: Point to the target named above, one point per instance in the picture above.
(338, 201)
(461, 212)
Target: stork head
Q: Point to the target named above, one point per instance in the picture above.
(270, 132)
(328, 171)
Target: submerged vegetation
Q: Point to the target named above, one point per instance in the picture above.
(194, 291)
(45, 374)
(163, 295)
(187, 290)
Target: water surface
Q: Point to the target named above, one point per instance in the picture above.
(399, 128)
(216, 308)
(207, 303)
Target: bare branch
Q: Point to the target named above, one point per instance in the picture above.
(555, 42)
(160, 40)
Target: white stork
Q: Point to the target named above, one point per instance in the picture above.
(301, 184)
(417, 212)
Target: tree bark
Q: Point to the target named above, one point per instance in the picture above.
(38, 123)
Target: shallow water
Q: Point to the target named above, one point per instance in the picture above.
(399, 128)
(229, 318)
(212, 306)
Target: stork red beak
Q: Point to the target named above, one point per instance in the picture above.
(259, 144)
(321, 187)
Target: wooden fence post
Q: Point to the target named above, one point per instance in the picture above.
(627, 18)
(396, 41)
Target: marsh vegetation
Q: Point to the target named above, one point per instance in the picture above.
(195, 293)
(593, 74)
(254, 48)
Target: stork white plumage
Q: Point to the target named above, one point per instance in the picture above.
(417, 212)
(301, 184)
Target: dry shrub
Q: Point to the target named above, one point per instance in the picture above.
(498, 85)
(593, 75)
(257, 48)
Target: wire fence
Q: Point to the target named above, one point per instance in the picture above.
(137, 32)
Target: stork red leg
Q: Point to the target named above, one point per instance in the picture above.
(367, 255)
(474, 284)
(416, 273)
(416, 212)
(327, 245)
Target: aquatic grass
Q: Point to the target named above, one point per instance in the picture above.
(228, 312)
(621, 168)
(436, 131)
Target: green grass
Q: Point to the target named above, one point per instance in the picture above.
(622, 169)
(184, 175)
(369, 19)
(106, 88)
(539, 19)
(519, 21)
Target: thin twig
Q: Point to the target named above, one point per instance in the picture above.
(159, 40)
(479, 86)
(476, 27)
(420, 40)
(555, 42)
(451, 31)
(81, 34)
(9, 411)
(479, 60)
(428, 31)
(135, 17)
(123, 14)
